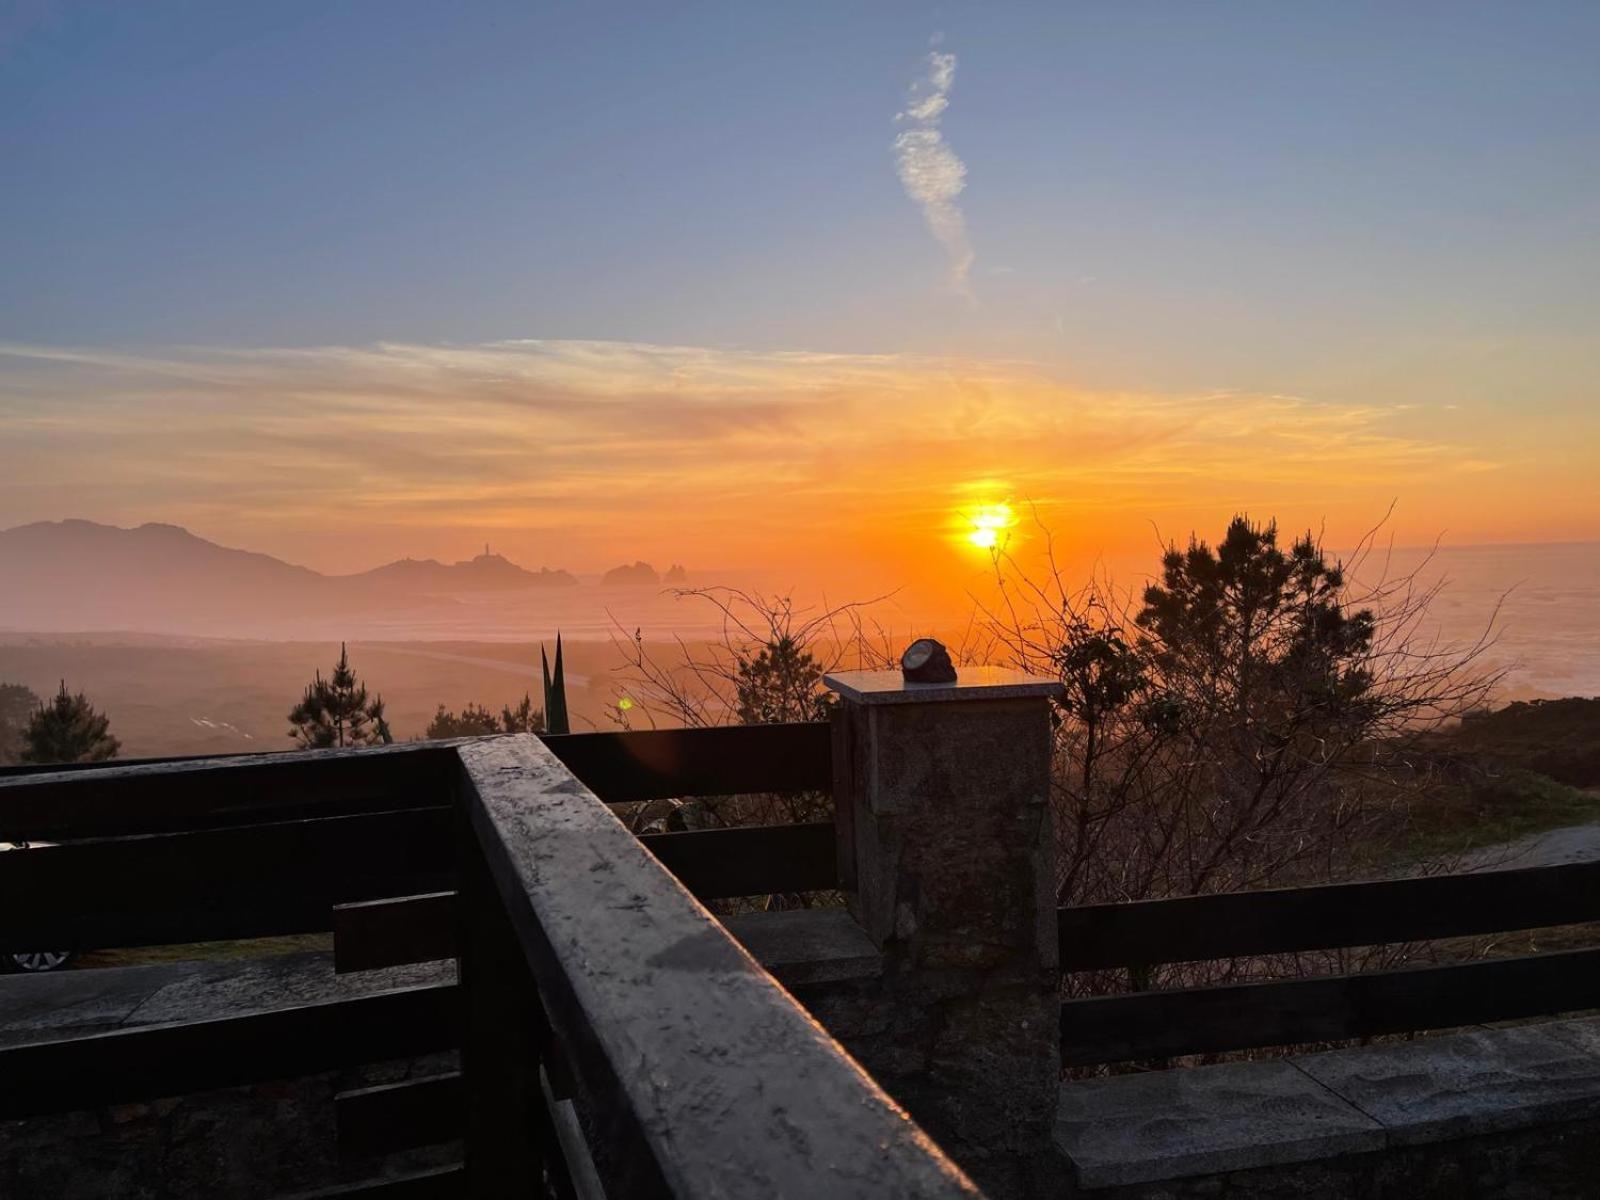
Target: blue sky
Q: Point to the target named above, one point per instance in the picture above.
(1352, 203)
(1154, 175)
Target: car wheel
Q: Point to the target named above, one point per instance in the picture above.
(39, 960)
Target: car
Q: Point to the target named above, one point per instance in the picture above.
(32, 961)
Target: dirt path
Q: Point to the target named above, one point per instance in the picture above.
(1553, 847)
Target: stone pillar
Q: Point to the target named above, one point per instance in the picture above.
(946, 853)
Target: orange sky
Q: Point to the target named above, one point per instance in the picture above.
(839, 467)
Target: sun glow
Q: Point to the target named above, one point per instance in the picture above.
(990, 526)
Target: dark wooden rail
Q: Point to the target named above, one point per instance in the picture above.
(1243, 1016)
(712, 863)
(144, 1062)
(1237, 925)
(752, 860)
(617, 765)
(181, 796)
(170, 795)
(237, 882)
(1284, 920)
(366, 843)
(657, 763)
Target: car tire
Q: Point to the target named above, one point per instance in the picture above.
(37, 962)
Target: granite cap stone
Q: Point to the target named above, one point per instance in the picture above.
(1130, 1129)
(972, 683)
(1467, 1084)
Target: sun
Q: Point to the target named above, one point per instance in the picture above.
(991, 525)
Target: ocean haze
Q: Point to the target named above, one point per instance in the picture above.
(198, 648)
(1540, 601)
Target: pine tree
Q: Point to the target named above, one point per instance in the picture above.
(475, 720)
(336, 712)
(68, 730)
(524, 718)
(472, 721)
(781, 683)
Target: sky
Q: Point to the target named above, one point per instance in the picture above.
(806, 287)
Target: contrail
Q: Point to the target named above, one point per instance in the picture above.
(929, 170)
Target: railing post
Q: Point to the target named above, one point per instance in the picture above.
(943, 797)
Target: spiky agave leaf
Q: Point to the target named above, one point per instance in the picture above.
(555, 692)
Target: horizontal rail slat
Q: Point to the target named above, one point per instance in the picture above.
(752, 860)
(245, 881)
(711, 863)
(1106, 1029)
(1284, 920)
(162, 797)
(434, 1183)
(391, 933)
(149, 1062)
(399, 1116)
(653, 764)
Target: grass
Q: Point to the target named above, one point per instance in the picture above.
(1503, 805)
(210, 951)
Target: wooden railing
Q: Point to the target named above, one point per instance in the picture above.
(397, 852)
(1239, 925)
(180, 850)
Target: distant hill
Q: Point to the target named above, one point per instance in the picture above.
(484, 572)
(624, 576)
(81, 575)
(1558, 738)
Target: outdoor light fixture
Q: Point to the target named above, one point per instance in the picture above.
(927, 661)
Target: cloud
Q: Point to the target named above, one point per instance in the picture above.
(590, 450)
(930, 172)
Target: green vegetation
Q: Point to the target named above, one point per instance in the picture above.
(1558, 738)
(1244, 724)
(1505, 773)
(242, 948)
(1499, 806)
(68, 730)
(475, 720)
(336, 712)
(781, 681)
(555, 692)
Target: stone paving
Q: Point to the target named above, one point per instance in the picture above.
(36, 1007)
(1161, 1125)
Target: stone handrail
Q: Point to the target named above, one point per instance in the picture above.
(730, 1087)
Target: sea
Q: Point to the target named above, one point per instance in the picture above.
(1537, 606)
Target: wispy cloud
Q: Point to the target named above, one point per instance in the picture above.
(589, 450)
(930, 172)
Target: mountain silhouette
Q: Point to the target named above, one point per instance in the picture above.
(483, 572)
(623, 576)
(83, 575)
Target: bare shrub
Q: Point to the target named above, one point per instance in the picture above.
(1252, 719)
(765, 667)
